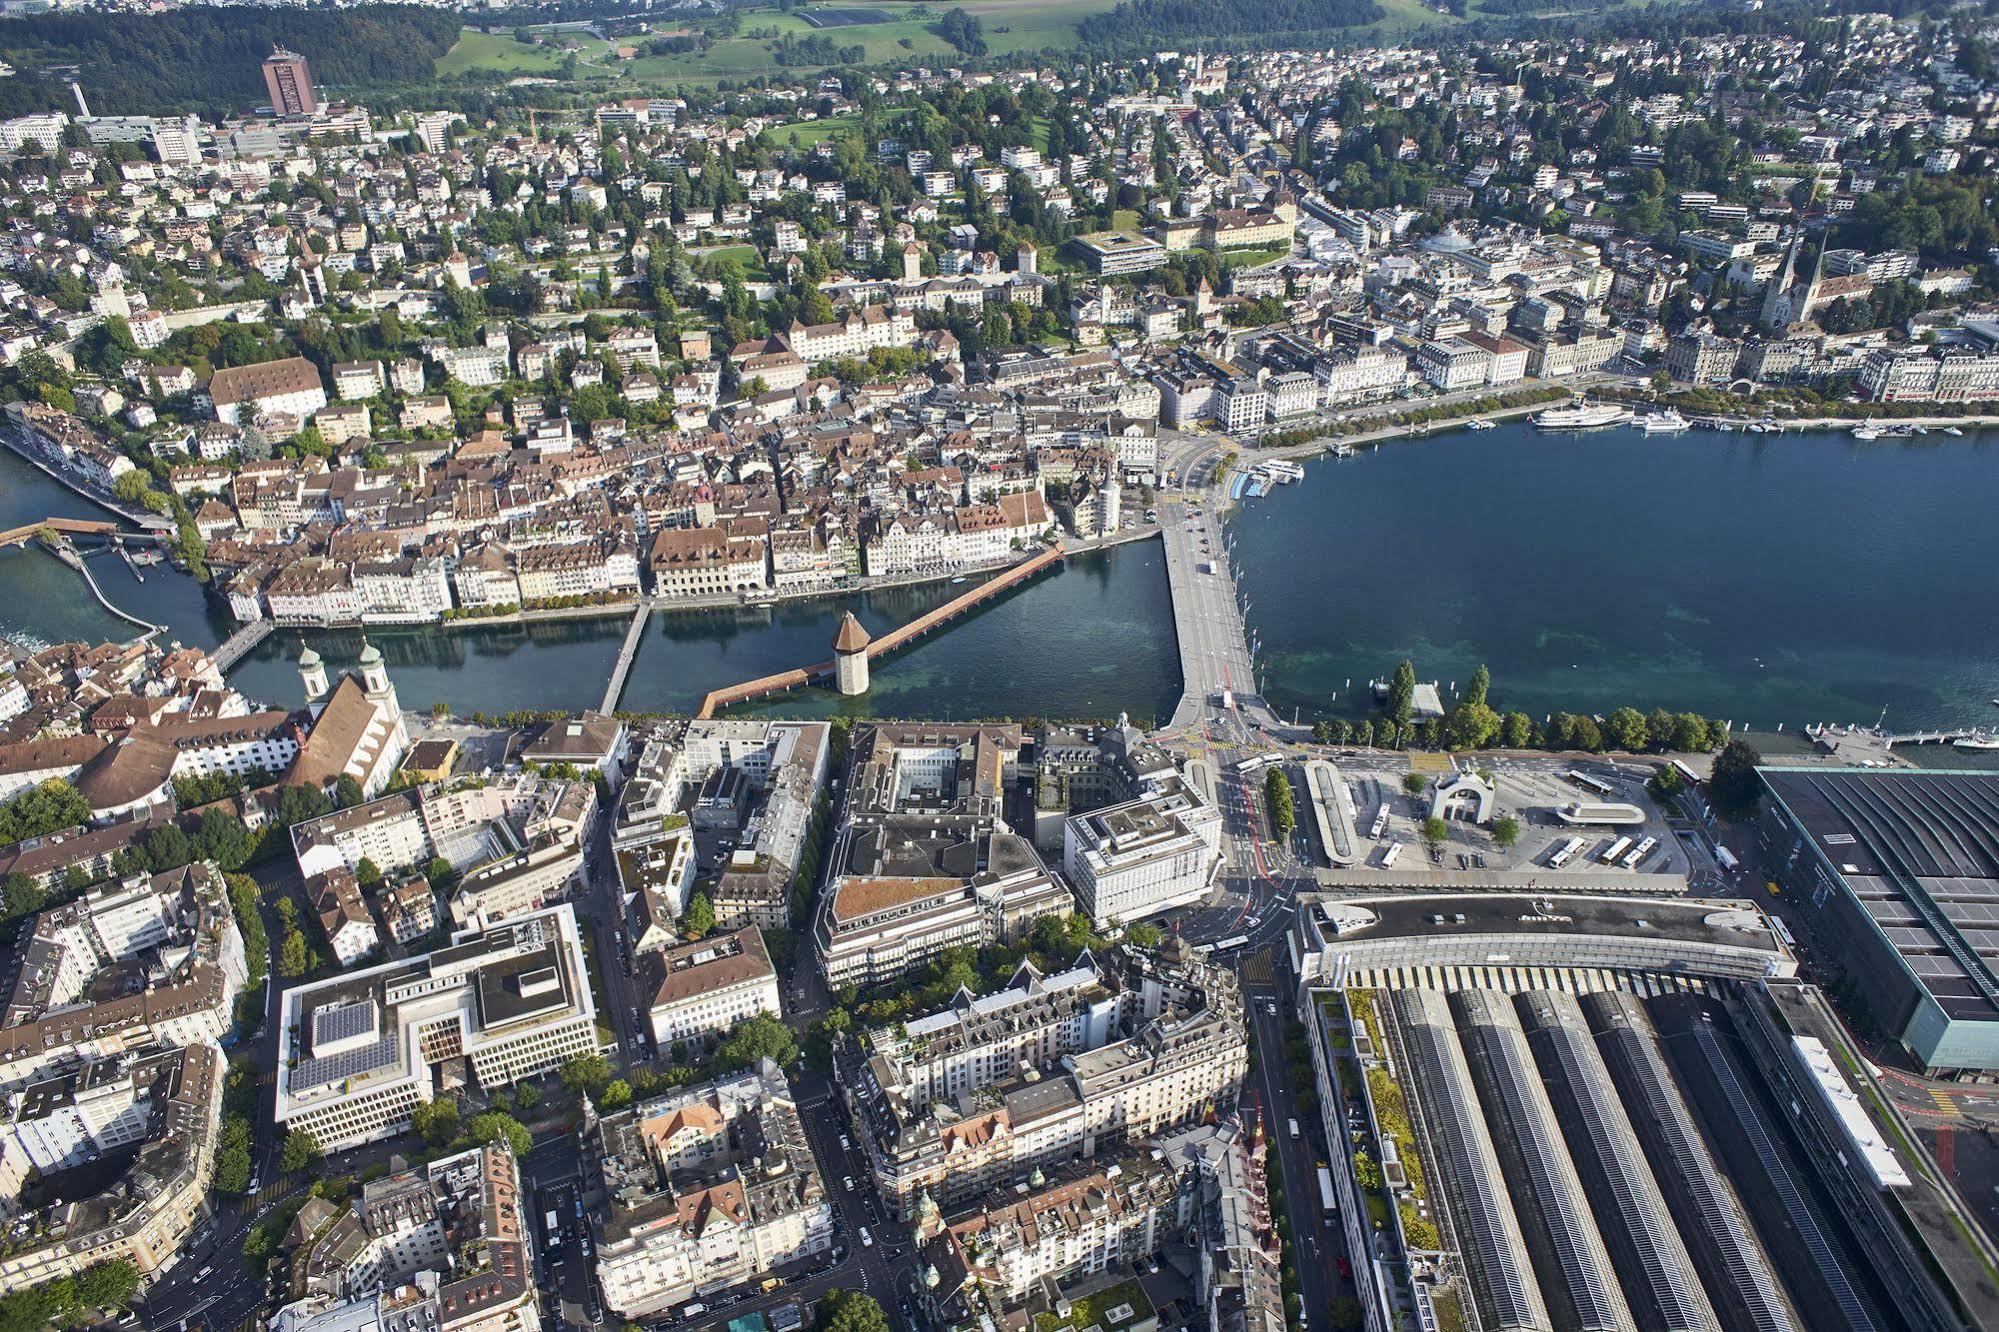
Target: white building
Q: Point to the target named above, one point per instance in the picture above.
(1144, 856)
(362, 1051)
(699, 990)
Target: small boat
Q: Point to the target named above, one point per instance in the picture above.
(1869, 431)
(1978, 742)
(1479, 423)
(959, 579)
(1952, 430)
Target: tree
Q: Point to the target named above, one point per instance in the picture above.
(19, 896)
(1278, 797)
(1402, 691)
(1733, 787)
(494, 1128)
(292, 954)
(347, 792)
(1517, 732)
(756, 1038)
(1143, 934)
(1471, 725)
(526, 1097)
(1505, 831)
(1693, 733)
(107, 1285)
(699, 919)
(1481, 684)
(1626, 729)
(368, 874)
(1435, 831)
(436, 1121)
(301, 1149)
(851, 1311)
(131, 486)
(586, 1073)
(617, 1095)
(1414, 782)
(167, 848)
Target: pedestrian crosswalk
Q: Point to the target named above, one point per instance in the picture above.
(1257, 969)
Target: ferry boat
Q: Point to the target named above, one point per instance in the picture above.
(1979, 741)
(1582, 414)
(1283, 471)
(1340, 450)
(1659, 423)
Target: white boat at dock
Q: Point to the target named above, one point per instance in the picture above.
(1582, 414)
(1867, 431)
(1659, 423)
(1978, 742)
(1480, 423)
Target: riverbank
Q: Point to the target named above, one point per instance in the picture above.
(109, 503)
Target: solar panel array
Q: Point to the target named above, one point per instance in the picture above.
(1624, 1036)
(1671, 1286)
(1507, 1294)
(1513, 1086)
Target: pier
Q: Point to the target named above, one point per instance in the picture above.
(1941, 737)
(239, 644)
(627, 654)
(77, 527)
(730, 695)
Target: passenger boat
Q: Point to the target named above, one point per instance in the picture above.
(1582, 414)
(1659, 423)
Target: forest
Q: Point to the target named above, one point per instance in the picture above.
(1154, 23)
(209, 60)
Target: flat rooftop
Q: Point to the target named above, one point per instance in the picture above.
(1684, 919)
(1919, 851)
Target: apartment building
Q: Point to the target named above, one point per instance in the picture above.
(517, 882)
(161, 1104)
(82, 993)
(1118, 1048)
(445, 1247)
(709, 1187)
(361, 1051)
(699, 990)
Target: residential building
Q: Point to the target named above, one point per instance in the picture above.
(698, 991)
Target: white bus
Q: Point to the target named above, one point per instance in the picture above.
(1388, 856)
(1638, 853)
(1566, 853)
(1326, 1203)
(1615, 849)
(1591, 784)
(1380, 823)
(1232, 942)
(1255, 761)
(1783, 931)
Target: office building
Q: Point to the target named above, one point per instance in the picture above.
(1149, 854)
(699, 990)
(361, 1051)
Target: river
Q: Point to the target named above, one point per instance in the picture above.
(1764, 579)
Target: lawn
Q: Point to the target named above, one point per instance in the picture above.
(805, 133)
(1095, 1310)
(498, 53)
(748, 262)
(1126, 219)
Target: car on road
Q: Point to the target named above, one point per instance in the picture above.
(867, 1240)
(850, 1183)
(846, 1143)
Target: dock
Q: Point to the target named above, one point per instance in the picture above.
(634, 635)
(763, 686)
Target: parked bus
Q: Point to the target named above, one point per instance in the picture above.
(1615, 849)
(1232, 942)
(1326, 1203)
(1691, 777)
(552, 1225)
(1294, 1127)
(1388, 856)
(1255, 761)
(1566, 853)
(1783, 931)
(1380, 823)
(1638, 853)
(1595, 786)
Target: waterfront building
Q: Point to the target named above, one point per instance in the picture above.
(783, 768)
(361, 1051)
(1900, 866)
(357, 730)
(698, 991)
(707, 1187)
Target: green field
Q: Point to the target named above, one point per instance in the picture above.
(499, 53)
(805, 133)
